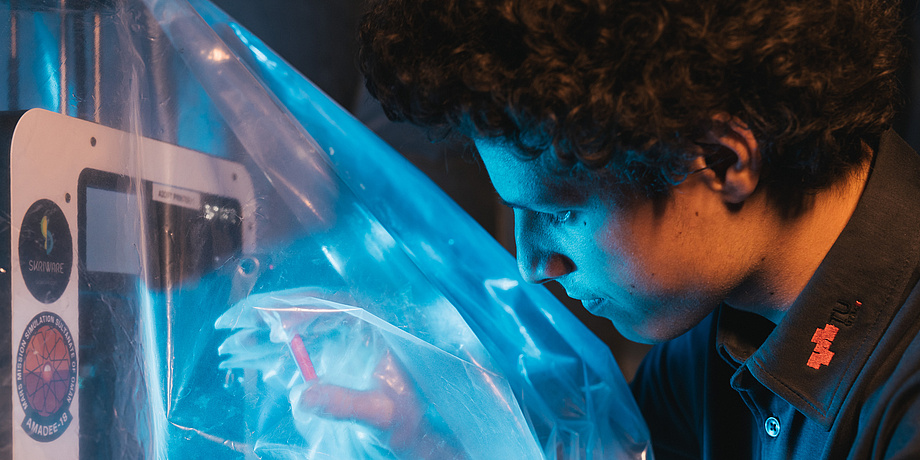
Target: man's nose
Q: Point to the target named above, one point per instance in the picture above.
(539, 263)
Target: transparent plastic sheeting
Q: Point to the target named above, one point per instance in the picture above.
(349, 310)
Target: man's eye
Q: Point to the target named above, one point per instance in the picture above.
(561, 217)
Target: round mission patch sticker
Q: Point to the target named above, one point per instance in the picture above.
(45, 251)
(46, 376)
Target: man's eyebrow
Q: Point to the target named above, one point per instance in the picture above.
(513, 205)
(536, 207)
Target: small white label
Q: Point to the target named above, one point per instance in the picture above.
(176, 196)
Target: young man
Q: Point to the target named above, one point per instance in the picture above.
(715, 176)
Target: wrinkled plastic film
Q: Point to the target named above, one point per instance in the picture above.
(344, 308)
(422, 216)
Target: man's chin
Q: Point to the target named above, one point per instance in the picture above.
(654, 325)
(635, 331)
(651, 332)
(642, 337)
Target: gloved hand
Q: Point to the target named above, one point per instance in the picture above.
(350, 396)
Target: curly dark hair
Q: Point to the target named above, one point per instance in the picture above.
(626, 86)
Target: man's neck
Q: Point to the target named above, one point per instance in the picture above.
(802, 242)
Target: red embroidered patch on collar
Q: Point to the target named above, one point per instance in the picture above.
(822, 340)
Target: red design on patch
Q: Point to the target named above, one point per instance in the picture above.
(822, 340)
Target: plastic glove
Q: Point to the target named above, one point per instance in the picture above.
(392, 406)
(350, 396)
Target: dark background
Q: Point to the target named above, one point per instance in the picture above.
(318, 37)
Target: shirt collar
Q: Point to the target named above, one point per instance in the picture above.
(814, 355)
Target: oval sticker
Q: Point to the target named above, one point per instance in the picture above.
(46, 376)
(45, 251)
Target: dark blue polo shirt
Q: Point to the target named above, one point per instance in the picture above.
(838, 378)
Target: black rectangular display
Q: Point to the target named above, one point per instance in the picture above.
(142, 248)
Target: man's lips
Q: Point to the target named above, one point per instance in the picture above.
(593, 305)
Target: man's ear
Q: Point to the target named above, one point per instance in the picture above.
(731, 154)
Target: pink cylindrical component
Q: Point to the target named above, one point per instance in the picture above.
(302, 358)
